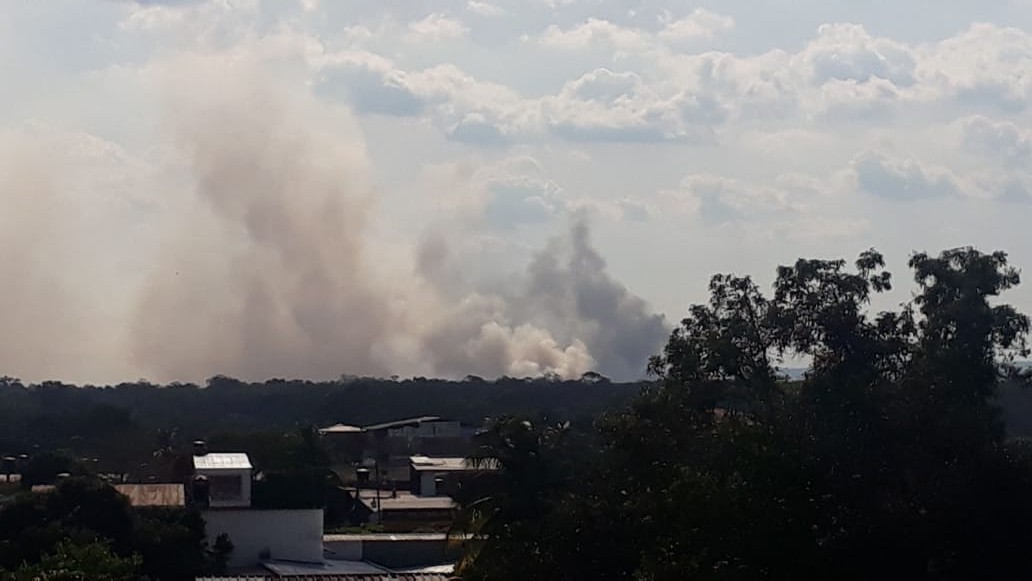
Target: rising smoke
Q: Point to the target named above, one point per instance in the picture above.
(265, 266)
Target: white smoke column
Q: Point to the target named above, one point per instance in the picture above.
(267, 275)
(59, 296)
(269, 272)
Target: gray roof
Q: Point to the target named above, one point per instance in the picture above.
(431, 464)
(403, 423)
(222, 461)
(397, 537)
(331, 567)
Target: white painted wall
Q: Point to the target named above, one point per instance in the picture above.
(289, 535)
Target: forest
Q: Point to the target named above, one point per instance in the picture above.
(122, 426)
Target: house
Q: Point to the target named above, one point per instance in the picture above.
(399, 439)
(368, 557)
(441, 476)
(401, 511)
(222, 485)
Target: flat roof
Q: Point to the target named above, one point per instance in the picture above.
(431, 464)
(222, 461)
(406, 501)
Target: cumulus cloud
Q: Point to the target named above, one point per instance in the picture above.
(291, 287)
(721, 200)
(436, 27)
(594, 32)
(846, 52)
(484, 8)
(700, 24)
(1003, 140)
(903, 178)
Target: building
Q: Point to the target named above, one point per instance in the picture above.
(223, 485)
(368, 557)
(441, 476)
(228, 478)
(401, 511)
(397, 440)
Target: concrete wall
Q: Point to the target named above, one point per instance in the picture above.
(397, 553)
(427, 483)
(257, 535)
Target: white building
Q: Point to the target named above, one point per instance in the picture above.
(257, 535)
(428, 474)
(228, 476)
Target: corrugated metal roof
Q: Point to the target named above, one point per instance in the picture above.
(331, 567)
(402, 423)
(428, 464)
(153, 494)
(340, 429)
(222, 461)
(388, 537)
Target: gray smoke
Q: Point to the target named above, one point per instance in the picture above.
(565, 297)
(259, 261)
(267, 275)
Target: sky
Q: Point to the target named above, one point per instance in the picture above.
(310, 188)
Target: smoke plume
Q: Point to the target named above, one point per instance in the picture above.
(262, 264)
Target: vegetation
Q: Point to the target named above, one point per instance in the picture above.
(888, 459)
(136, 429)
(85, 529)
(91, 561)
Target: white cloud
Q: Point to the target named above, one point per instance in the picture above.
(789, 121)
(719, 200)
(903, 178)
(595, 32)
(846, 52)
(1002, 140)
(700, 24)
(484, 8)
(436, 27)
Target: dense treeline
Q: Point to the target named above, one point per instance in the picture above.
(888, 460)
(125, 424)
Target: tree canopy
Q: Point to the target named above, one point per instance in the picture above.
(888, 458)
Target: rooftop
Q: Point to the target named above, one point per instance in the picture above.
(407, 501)
(289, 569)
(428, 464)
(153, 494)
(402, 423)
(341, 429)
(222, 461)
(386, 537)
